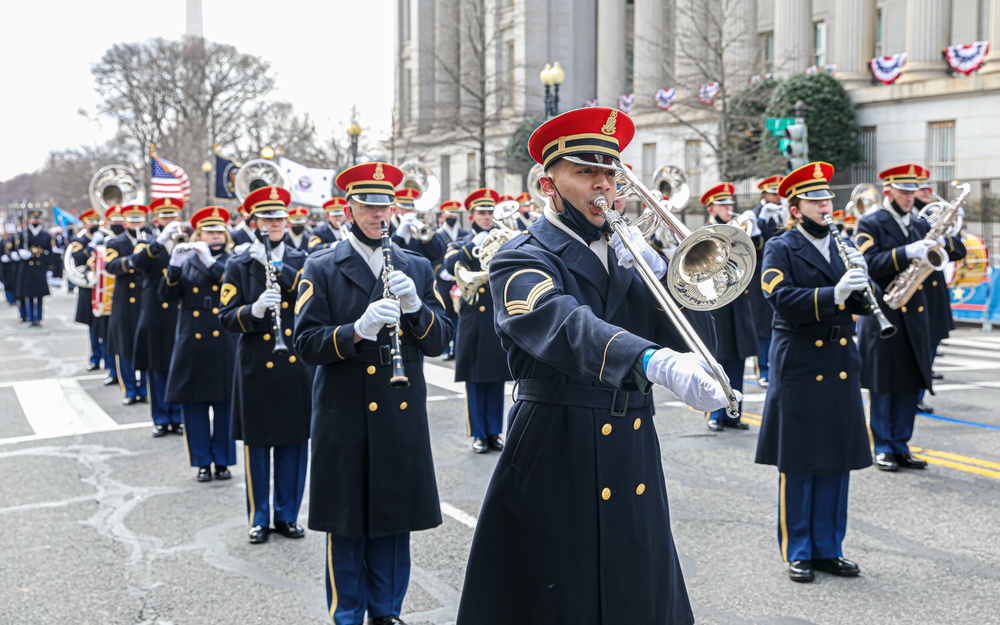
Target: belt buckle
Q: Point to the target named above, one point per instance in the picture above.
(834, 333)
(614, 402)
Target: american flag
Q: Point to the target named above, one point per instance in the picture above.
(168, 180)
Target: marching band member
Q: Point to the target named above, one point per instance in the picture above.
(80, 250)
(480, 359)
(201, 366)
(407, 223)
(125, 305)
(526, 206)
(241, 232)
(296, 237)
(34, 254)
(326, 234)
(813, 426)
(157, 324)
(372, 479)
(271, 390)
(450, 233)
(575, 523)
(768, 212)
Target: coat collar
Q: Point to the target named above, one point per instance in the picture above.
(577, 257)
(808, 252)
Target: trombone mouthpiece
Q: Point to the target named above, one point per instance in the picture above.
(601, 202)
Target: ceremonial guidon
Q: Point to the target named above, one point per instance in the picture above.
(734, 325)
(575, 523)
(33, 259)
(450, 233)
(81, 252)
(271, 389)
(372, 478)
(480, 360)
(813, 426)
(201, 366)
(154, 335)
(769, 221)
(119, 261)
(326, 234)
(296, 236)
(897, 368)
(407, 224)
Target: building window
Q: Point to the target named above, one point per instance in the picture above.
(878, 32)
(864, 172)
(767, 52)
(511, 75)
(819, 43)
(692, 165)
(648, 162)
(404, 20)
(445, 176)
(941, 152)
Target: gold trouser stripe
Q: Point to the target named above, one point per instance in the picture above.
(121, 380)
(783, 520)
(329, 570)
(605, 359)
(187, 445)
(468, 417)
(816, 303)
(246, 462)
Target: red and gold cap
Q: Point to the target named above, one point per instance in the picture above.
(371, 183)
(590, 136)
(850, 220)
(482, 200)
(90, 216)
(838, 216)
(452, 206)
(268, 202)
(770, 184)
(135, 213)
(166, 206)
(243, 211)
(406, 197)
(114, 214)
(335, 206)
(719, 194)
(811, 181)
(903, 177)
(505, 198)
(298, 215)
(924, 178)
(525, 199)
(210, 219)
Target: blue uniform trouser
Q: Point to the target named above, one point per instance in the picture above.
(164, 412)
(484, 406)
(10, 296)
(812, 515)
(96, 346)
(763, 364)
(366, 574)
(132, 385)
(34, 308)
(892, 416)
(207, 439)
(733, 369)
(290, 463)
(22, 309)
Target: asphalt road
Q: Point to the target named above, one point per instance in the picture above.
(103, 524)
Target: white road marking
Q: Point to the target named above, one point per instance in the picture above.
(461, 516)
(36, 437)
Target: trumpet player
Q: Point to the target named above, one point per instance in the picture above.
(450, 232)
(372, 478)
(327, 234)
(272, 398)
(409, 232)
(813, 426)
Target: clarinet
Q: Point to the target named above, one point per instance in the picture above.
(886, 329)
(398, 379)
(271, 282)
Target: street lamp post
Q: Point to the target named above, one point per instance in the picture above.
(207, 168)
(267, 152)
(546, 77)
(551, 77)
(354, 131)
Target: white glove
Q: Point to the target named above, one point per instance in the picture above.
(857, 259)
(480, 237)
(770, 211)
(378, 314)
(918, 249)
(267, 299)
(4, 258)
(942, 242)
(854, 280)
(687, 375)
(444, 276)
(24, 254)
(408, 223)
(180, 255)
(752, 217)
(239, 249)
(204, 253)
(625, 259)
(167, 231)
(258, 253)
(96, 240)
(405, 290)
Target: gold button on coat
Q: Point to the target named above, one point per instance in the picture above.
(196, 314)
(197, 335)
(288, 331)
(843, 342)
(291, 359)
(819, 343)
(404, 406)
(131, 285)
(920, 309)
(131, 300)
(640, 489)
(606, 494)
(482, 289)
(903, 308)
(843, 375)
(819, 378)
(269, 364)
(215, 333)
(215, 287)
(373, 406)
(215, 311)
(267, 337)
(194, 290)
(606, 429)
(636, 424)
(371, 369)
(284, 304)
(841, 306)
(920, 288)
(166, 305)
(932, 284)
(482, 309)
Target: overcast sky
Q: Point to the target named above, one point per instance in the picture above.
(48, 47)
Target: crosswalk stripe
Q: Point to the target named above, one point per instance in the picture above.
(60, 408)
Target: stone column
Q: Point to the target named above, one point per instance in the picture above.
(793, 36)
(928, 26)
(855, 41)
(992, 63)
(610, 51)
(739, 20)
(447, 68)
(422, 48)
(653, 50)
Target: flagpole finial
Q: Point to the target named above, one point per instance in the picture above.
(152, 149)
(215, 149)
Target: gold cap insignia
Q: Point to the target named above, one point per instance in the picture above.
(609, 126)
(168, 202)
(274, 193)
(912, 171)
(215, 213)
(818, 172)
(378, 175)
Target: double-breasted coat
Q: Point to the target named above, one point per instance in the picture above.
(272, 397)
(242, 235)
(32, 281)
(762, 311)
(813, 419)
(80, 252)
(201, 366)
(322, 237)
(154, 334)
(372, 473)
(575, 526)
(125, 299)
(444, 286)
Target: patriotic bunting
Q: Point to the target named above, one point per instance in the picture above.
(887, 69)
(665, 98)
(828, 68)
(625, 102)
(708, 92)
(966, 58)
(758, 77)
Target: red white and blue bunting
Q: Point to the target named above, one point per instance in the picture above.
(887, 69)
(708, 92)
(625, 102)
(590, 103)
(665, 98)
(829, 68)
(759, 77)
(966, 58)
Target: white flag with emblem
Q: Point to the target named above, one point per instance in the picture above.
(310, 187)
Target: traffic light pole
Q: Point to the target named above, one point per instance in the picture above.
(797, 148)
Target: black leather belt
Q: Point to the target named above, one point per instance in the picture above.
(820, 330)
(617, 403)
(381, 354)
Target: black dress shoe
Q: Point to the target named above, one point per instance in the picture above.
(800, 571)
(258, 534)
(886, 462)
(289, 529)
(836, 566)
(937, 376)
(129, 401)
(907, 461)
(142, 399)
(109, 381)
(158, 430)
(386, 620)
(479, 445)
(922, 407)
(222, 473)
(715, 425)
(495, 442)
(738, 425)
(91, 366)
(176, 428)
(204, 474)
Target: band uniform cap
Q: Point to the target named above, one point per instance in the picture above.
(719, 194)
(924, 178)
(35, 213)
(242, 211)
(838, 216)
(268, 202)
(298, 215)
(452, 206)
(903, 177)
(482, 199)
(596, 134)
(505, 198)
(210, 218)
(525, 198)
(850, 220)
(811, 181)
(406, 197)
(770, 184)
(90, 215)
(166, 206)
(371, 183)
(335, 205)
(114, 213)
(135, 213)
